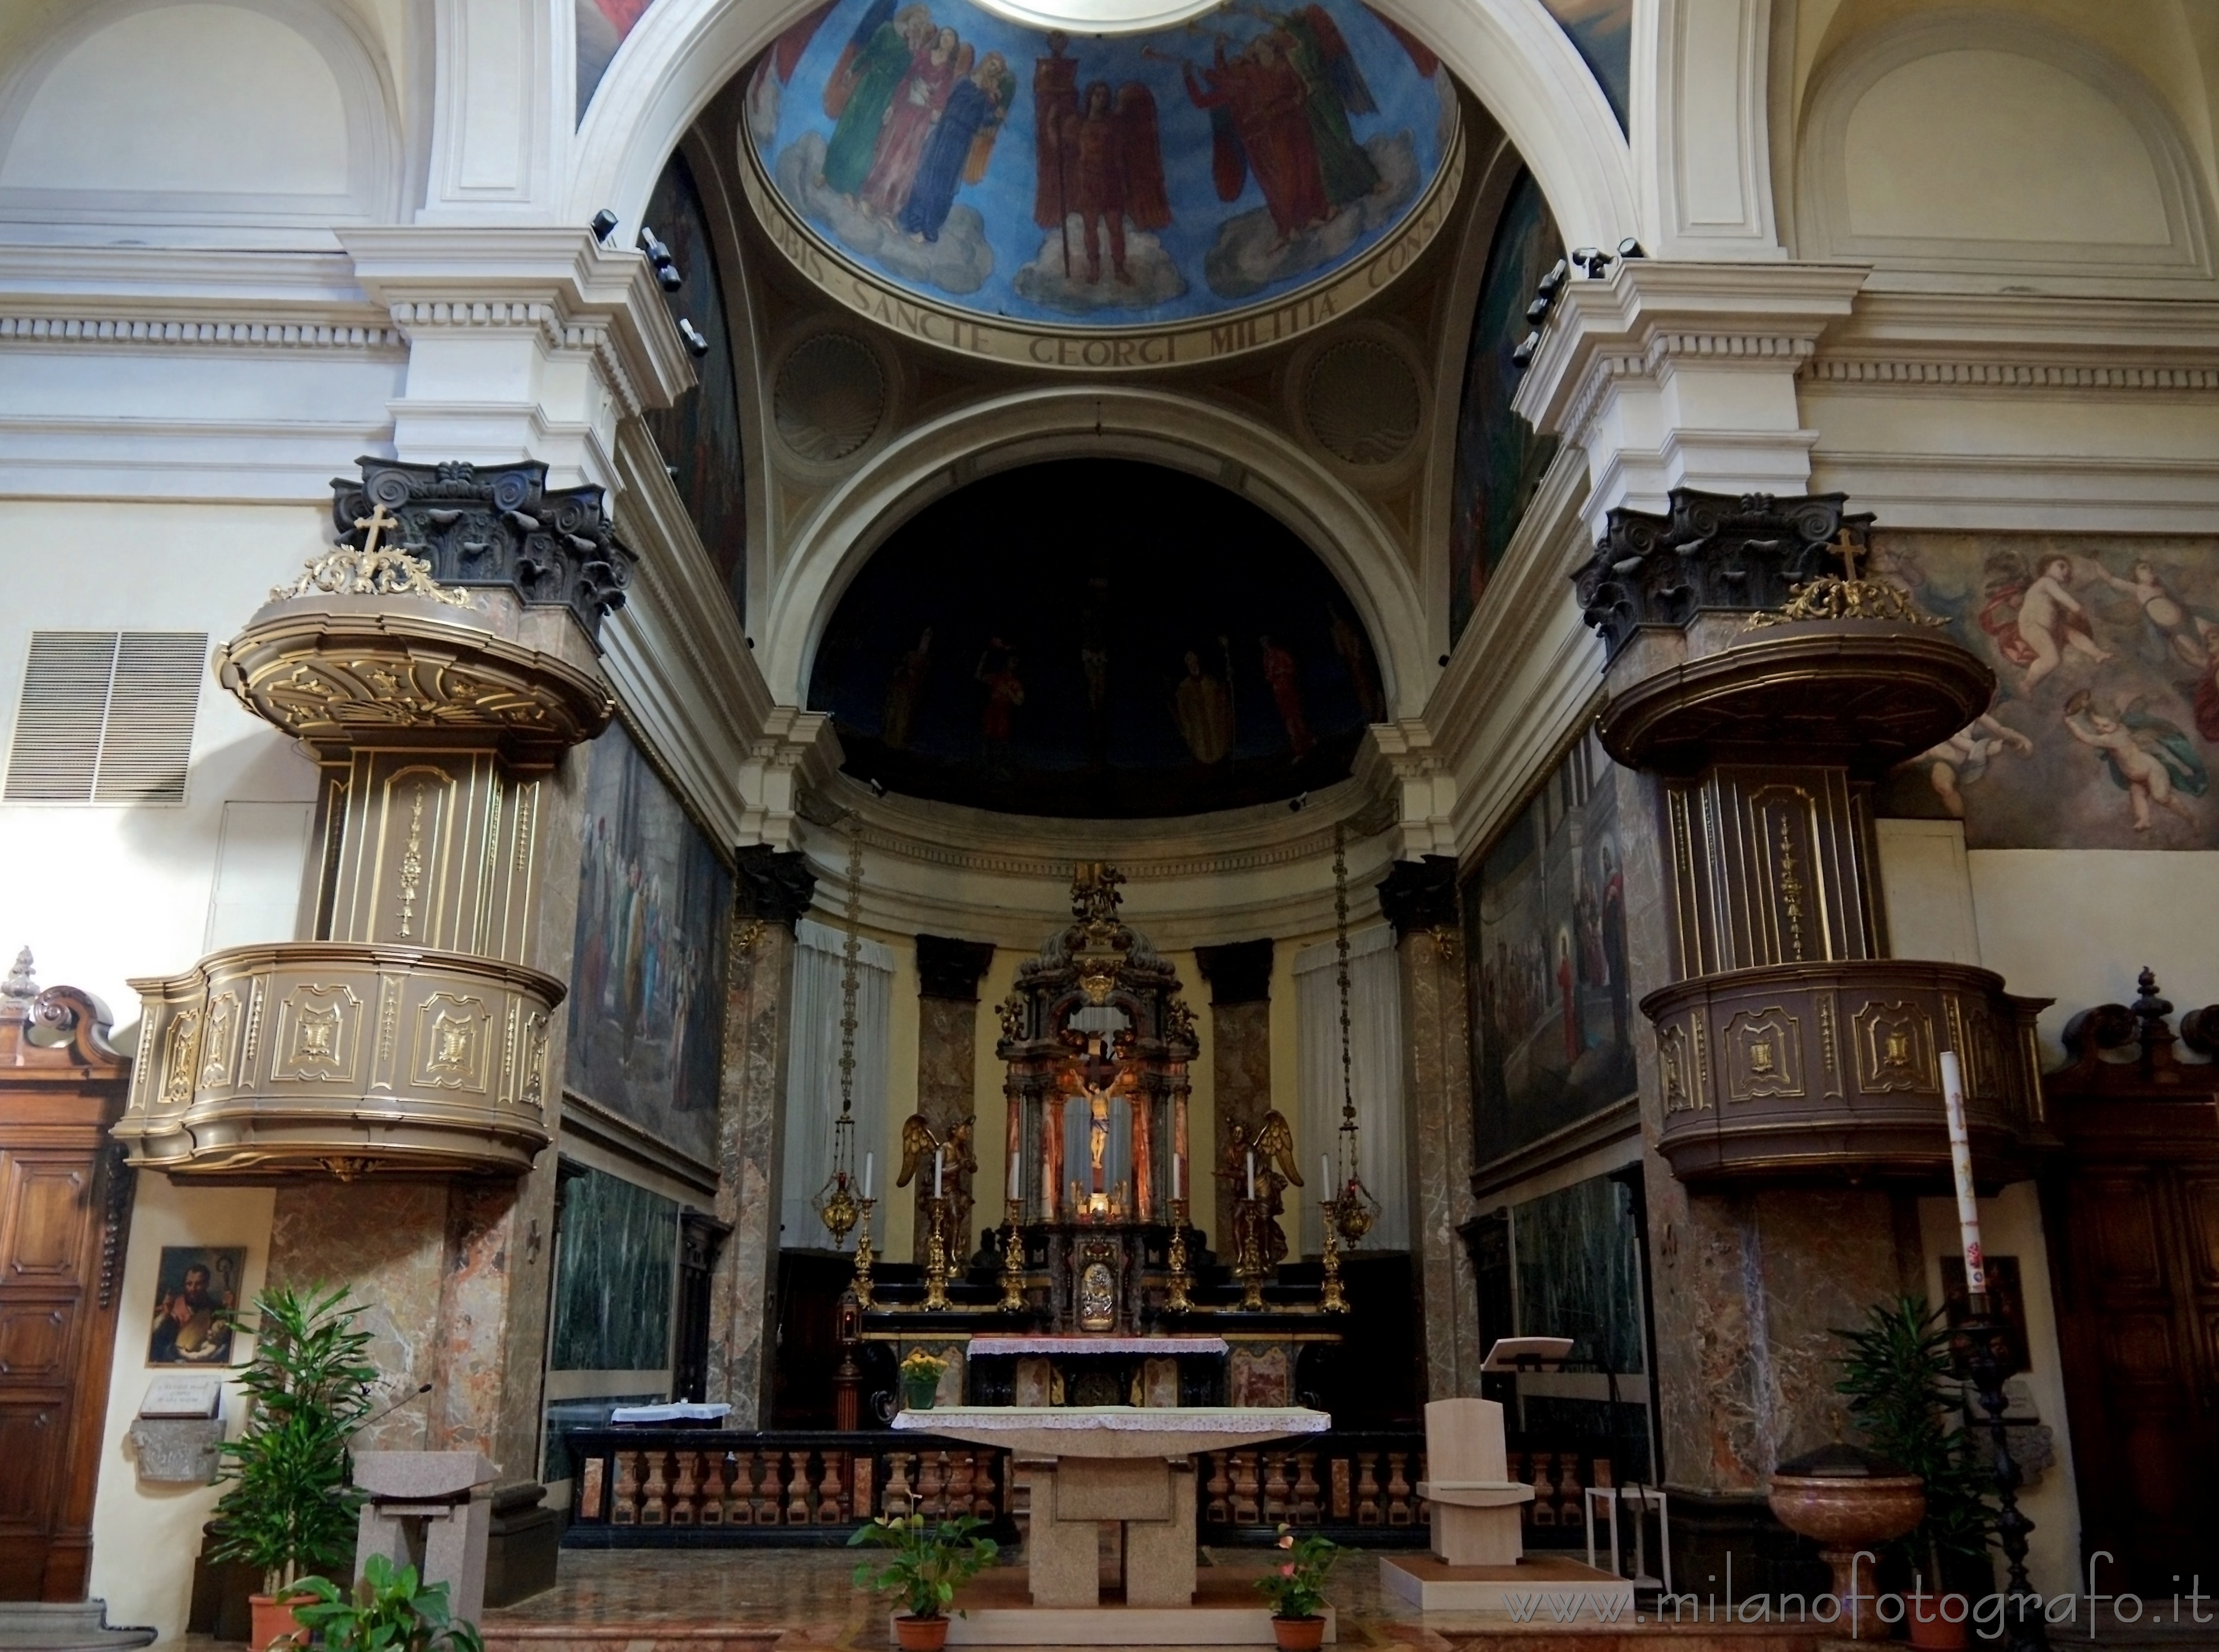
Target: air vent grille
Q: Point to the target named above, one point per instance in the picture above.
(106, 716)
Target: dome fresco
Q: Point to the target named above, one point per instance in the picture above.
(1094, 182)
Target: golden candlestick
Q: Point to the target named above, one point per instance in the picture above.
(935, 1257)
(1248, 1219)
(1013, 1262)
(1181, 1280)
(864, 1255)
(1331, 1298)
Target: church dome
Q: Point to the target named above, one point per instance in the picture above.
(1133, 199)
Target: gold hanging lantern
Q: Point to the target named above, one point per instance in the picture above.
(836, 1202)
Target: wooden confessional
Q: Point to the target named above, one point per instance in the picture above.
(64, 1198)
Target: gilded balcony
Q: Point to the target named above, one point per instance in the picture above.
(341, 1059)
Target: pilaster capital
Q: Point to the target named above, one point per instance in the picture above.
(796, 753)
(1680, 373)
(1399, 762)
(1239, 972)
(947, 968)
(776, 886)
(487, 310)
(1419, 896)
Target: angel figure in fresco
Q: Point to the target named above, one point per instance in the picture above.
(1963, 758)
(1005, 691)
(865, 85)
(1098, 155)
(2035, 620)
(922, 1147)
(933, 73)
(904, 690)
(962, 144)
(1285, 680)
(2149, 758)
(2170, 620)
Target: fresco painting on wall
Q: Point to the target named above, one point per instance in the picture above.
(699, 438)
(1545, 916)
(647, 971)
(2104, 731)
(1499, 457)
(1109, 180)
(1100, 639)
(602, 26)
(1603, 32)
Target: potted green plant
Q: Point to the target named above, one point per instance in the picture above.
(1295, 1588)
(289, 1508)
(920, 1379)
(1897, 1375)
(930, 1562)
(388, 1610)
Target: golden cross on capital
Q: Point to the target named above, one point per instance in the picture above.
(377, 522)
(1849, 550)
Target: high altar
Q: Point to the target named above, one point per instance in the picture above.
(1095, 1289)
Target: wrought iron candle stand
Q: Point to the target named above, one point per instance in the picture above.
(1175, 1299)
(1013, 1258)
(1982, 1346)
(936, 1255)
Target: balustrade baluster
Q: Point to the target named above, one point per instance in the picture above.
(797, 1491)
(767, 1492)
(982, 1503)
(829, 1491)
(1568, 1495)
(1218, 1512)
(897, 1490)
(962, 1475)
(1275, 1488)
(685, 1486)
(1246, 1509)
(1398, 1488)
(625, 1511)
(1367, 1488)
(655, 1496)
(932, 1483)
(1306, 1488)
(1545, 1490)
(713, 1488)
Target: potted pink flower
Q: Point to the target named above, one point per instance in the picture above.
(1295, 1588)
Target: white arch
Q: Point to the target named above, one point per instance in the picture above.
(1061, 422)
(1511, 54)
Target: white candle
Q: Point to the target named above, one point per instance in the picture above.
(1961, 1162)
(1175, 1177)
(1325, 1177)
(1016, 1188)
(869, 1159)
(938, 1160)
(1251, 1175)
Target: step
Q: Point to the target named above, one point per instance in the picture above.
(63, 1626)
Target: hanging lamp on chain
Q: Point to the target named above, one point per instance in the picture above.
(1354, 1209)
(835, 1202)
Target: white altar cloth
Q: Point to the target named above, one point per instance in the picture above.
(1115, 1431)
(1001, 1347)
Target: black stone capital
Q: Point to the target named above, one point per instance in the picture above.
(1708, 552)
(1419, 895)
(950, 968)
(1239, 973)
(774, 884)
(494, 526)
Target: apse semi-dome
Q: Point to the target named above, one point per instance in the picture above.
(1133, 199)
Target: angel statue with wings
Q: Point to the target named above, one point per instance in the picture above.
(950, 1154)
(1263, 1167)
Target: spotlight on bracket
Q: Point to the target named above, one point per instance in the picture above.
(1630, 248)
(666, 266)
(1592, 261)
(604, 225)
(1552, 283)
(877, 786)
(1299, 802)
(694, 342)
(1522, 357)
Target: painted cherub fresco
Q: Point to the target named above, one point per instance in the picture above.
(2178, 629)
(1963, 758)
(2148, 758)
(2035, 618)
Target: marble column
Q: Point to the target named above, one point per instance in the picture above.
(772, 891)
(1420, 900)
(948, 973)
(1240, 978)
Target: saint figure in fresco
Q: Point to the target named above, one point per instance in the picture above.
(1055, 108)
(1285, 681)
(2149, 758)
(905, 690)
(933, 73)
(962, 144)
(1613, 947)
(1112, 163)
(1567, 995)
(876, 74)
(1348, 643)
(1005, 691)
(1202, 706)
(1334, 89)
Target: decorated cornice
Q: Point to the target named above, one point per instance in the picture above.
(2021, 342)
(1648, 316)
(576, 295)
(151, 298)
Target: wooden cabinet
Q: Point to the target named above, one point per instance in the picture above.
(63, 1202)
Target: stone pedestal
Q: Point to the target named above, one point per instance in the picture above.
(1152, 1499)
(431, 1510)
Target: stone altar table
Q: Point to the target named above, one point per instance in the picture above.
(1133, 1465)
